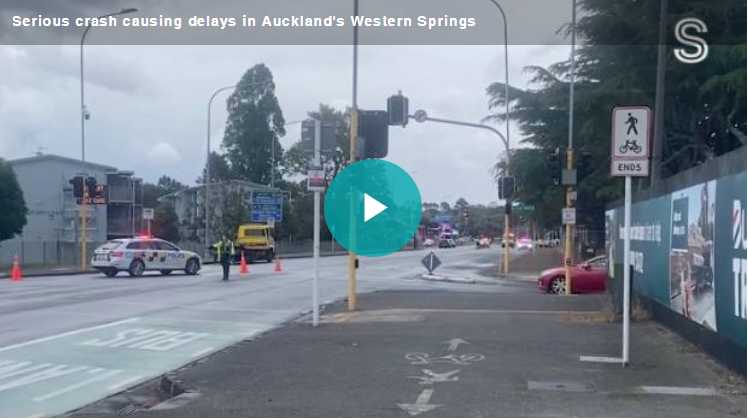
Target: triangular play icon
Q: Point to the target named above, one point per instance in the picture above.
(372, 207)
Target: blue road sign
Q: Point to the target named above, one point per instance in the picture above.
(266, 205)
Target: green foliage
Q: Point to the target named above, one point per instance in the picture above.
(233, 212)
(297, 160)
(705, 113)
(254, 126)
(219, 169)
(13, 214)
(165, 222)
(164, 185)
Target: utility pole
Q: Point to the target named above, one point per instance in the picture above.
(315, 280)
(84, 117)
(659, 115)
(353, 137)
(569, 247)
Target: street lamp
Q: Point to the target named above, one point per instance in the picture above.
(206, 180)
(84, 116)
(422, 116)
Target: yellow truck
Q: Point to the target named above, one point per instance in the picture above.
(256, 241)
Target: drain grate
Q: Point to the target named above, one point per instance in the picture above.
(568, 386)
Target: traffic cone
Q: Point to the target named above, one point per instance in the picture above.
(243, 267)
(15, 273)
(278, 265)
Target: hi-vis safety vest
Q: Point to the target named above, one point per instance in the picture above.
(224, 247)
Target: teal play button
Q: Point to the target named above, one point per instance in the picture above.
(373, 208)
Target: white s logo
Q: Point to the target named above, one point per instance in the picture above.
(683, 36)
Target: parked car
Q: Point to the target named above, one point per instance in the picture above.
(446, 243)
(140, 254)
(586, 277)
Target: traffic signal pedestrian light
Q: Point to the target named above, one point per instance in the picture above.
(77, 183)
(373, 128)
(506, 187)
(555, 163)
(397, 109)
(90, 187)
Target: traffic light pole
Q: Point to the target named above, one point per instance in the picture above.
(570, 151)
(353, 140)
(569, 241)
(421, 116)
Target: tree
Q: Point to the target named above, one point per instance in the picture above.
(165, 185)
(704, 103)
(297, 160)
(254, 126)
(13, 214)
(219, 168)
(165, 222)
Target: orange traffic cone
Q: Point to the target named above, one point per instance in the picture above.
(278, 265)
(243, 267)
(15, 273)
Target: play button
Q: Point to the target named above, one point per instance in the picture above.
(373, 208)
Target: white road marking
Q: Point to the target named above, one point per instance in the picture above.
(454, 343)
(203, 352)
(421, 405)
(679, 391)
(603, 359)
(78, 385)
(432, 377)
(66, 334)
(125, 383)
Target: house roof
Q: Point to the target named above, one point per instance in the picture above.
(47, 157)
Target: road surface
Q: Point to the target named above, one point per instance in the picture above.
(67, 341)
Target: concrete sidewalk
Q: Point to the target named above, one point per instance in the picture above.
(447, 354)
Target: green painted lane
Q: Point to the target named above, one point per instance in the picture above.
(53, 375)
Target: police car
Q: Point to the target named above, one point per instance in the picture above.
(141, 254)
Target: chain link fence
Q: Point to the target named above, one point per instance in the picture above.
(43, 253)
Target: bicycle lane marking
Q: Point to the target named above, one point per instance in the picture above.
(56, 374)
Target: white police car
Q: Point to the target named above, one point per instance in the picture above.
(141, 254)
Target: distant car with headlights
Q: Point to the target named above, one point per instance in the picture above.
(524, 243)
(428, 243)
(586, 277)
(140, 254)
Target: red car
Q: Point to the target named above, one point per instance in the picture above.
(586, 277)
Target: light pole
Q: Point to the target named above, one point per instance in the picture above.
(85, 115)
(569, 239)
(206, 181)
(506, 139)
(422, 116)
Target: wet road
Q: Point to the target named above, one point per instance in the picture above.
(66, 341)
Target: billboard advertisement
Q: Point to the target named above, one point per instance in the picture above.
(688, 252)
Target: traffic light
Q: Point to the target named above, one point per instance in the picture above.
(584, 165)
(397, 109)
(555, 163)
(90, 187)
(373, 128)
(77, 183)
(506, 187)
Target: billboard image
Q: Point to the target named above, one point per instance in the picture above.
(692, 254)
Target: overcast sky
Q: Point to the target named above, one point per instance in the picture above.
(148, 103)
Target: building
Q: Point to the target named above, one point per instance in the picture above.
(53, 230)
(230, 206)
